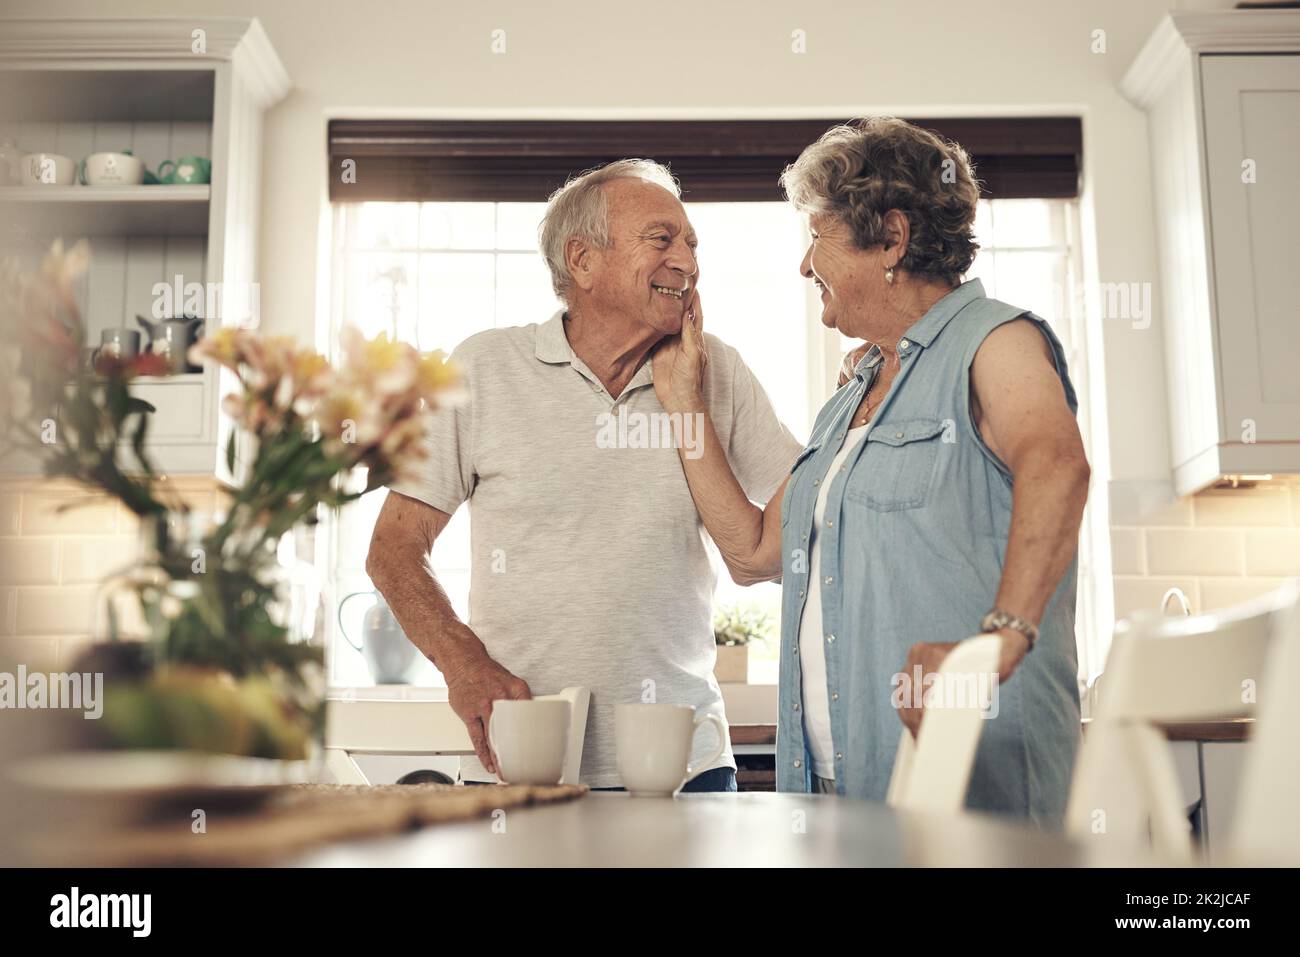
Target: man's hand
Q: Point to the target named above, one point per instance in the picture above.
(471, 690)
(851, 360)
(929, 655)
(679, 363)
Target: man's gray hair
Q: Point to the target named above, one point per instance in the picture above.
(580, 210)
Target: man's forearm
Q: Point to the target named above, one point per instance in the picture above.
(1046, 512)
(423, 609)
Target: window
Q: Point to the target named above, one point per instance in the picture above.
(434, 273)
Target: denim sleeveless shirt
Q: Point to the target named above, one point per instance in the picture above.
(912, 548)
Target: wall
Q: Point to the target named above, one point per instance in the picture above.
(724, 58)
(1220, 547)
(421, 58)
(57, 543)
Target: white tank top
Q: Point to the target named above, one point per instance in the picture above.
(812, 654)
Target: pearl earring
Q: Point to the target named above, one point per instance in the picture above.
(889, 274)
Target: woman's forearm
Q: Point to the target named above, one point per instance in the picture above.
(750, 543)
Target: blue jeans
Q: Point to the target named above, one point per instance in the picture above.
(715, 779)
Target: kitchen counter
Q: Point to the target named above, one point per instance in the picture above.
(719, 830)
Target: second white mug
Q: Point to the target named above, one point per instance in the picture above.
(654, 744)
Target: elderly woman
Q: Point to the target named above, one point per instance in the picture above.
(939, 497)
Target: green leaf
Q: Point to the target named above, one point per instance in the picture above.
(137, 443)
(230, 451)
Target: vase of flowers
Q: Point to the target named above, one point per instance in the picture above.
(196, 649)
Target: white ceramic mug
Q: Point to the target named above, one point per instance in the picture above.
(48, 169)
(112, 169)
(529, 739)
(654, 745)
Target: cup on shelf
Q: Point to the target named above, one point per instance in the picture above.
(171, 339)
(48, 169)
(190, 170)
(112, 169)
(119, 343)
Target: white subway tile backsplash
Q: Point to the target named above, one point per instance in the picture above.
(1268, 506)
(1127, 551)
(1219, 593)
(1274, 551)
(36, 652)
(71, 648)
(1173, 551)
(1235, 545)
(10, 511)
(29, 561)
(52, 561)
(1147, 504)
(67, 513)
(55, 610)
(1144, 594)
(90, 560)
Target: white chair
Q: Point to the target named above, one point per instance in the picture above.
(1265, 828)
(932, 771)
(1162, 671)
(373, 726)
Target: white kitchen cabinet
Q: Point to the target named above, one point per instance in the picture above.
(164, 88)
(1222, 96)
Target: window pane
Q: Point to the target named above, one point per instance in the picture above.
(753, 296)
(456, 297)
(457, 225)
(1036, 281)
(524, 292)
(984, 268)
(354, 533)
(984, 223)
(517, 225)
(1027, 222)
(385, 225)
(381, 294)
(473, 266)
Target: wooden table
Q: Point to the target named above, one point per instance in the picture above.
(719, 830)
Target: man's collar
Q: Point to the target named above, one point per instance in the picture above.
(926, 329)
(552, 344)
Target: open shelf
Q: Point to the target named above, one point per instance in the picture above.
(106, 96)
(108, 210)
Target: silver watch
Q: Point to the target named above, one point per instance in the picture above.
(998, 619)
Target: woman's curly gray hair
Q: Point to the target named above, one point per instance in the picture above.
(859, 172)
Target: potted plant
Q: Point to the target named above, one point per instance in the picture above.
(196, 650)
(734, 628)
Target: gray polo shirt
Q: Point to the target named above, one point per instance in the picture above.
(588, 558)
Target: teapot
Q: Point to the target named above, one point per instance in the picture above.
(172, 338)
(387, 650)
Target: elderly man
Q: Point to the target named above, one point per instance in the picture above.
(589, 564)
